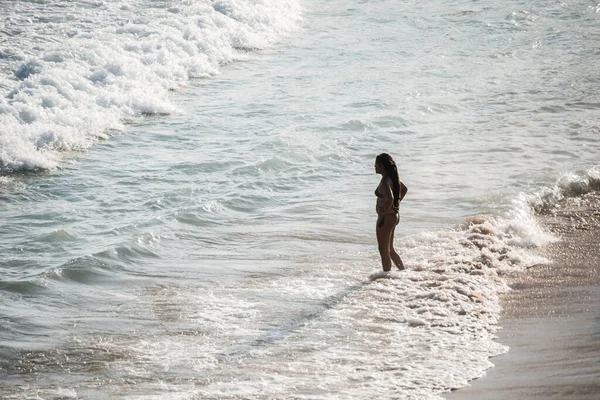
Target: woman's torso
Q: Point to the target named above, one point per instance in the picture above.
(385, 197)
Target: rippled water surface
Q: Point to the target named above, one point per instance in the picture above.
(187, 190)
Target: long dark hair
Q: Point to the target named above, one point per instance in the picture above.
(392, 171)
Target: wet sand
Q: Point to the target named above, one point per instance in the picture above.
(551, 318)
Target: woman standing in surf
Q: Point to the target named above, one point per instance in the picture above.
(390, 193)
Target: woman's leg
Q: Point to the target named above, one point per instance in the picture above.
(383, 241)
(393, 255)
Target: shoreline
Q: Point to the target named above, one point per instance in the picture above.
(551, 317)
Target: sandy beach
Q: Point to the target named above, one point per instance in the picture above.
(551, 318)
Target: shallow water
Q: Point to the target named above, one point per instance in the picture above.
(220, 245)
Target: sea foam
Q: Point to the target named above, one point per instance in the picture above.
(68, 82)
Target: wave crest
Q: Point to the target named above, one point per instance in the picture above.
(85, 80)
(566, 186)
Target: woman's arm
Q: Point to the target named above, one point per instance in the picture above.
(387, 199)
(403, 191)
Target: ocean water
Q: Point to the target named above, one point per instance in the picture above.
(186, 190)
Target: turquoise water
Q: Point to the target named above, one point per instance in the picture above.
(187, 196)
